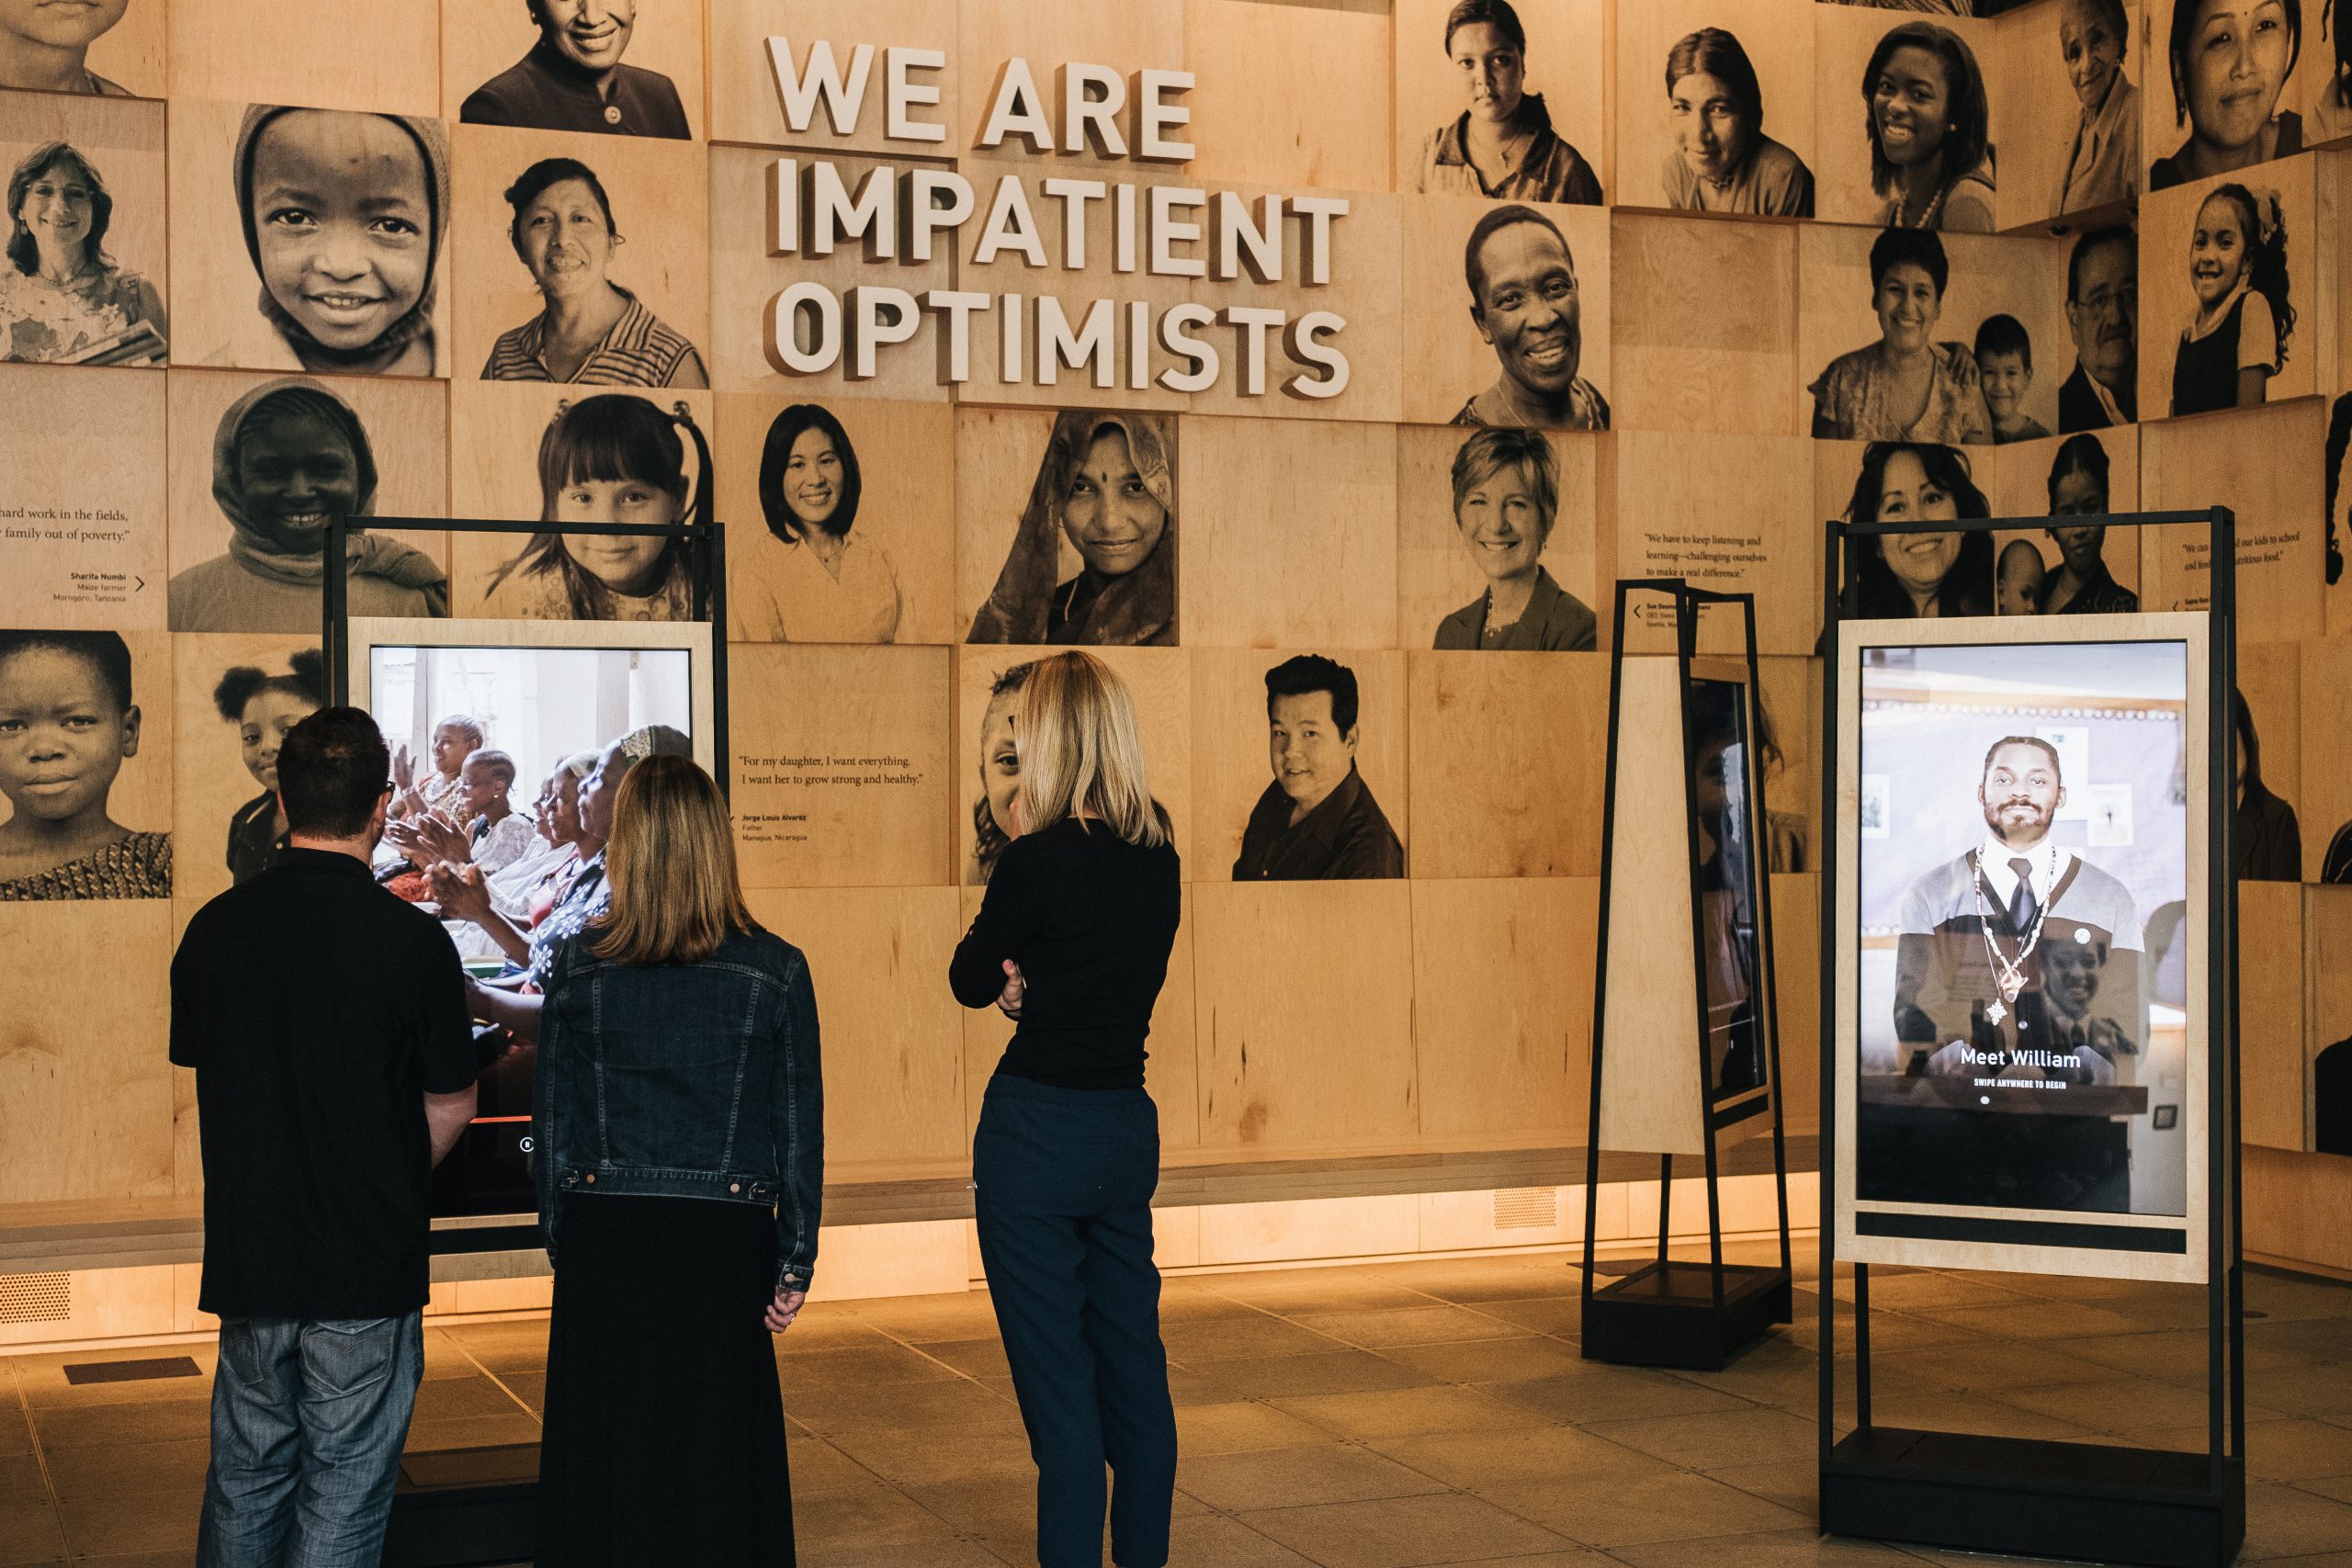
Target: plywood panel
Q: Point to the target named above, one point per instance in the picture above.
(1449, 358)
(905, 455)
(2271, 1054)
(263, 50)
(140, 798)
(1159, 680)
(893, 1039)
(212, 775)
(743, 104)
(1049, 33)
(216, 318)
(1789, 750)
(1671, 523)
(1230, 763)
(495, 431)
(1796, 965)
(2294, 1206)
(1704, 332)
(2326, 963)
(1502, 1008)
(2230, 459)
(1251, 120)
(1779, 42)
(1304, 1017)
(1291, 541)
(405, 422)
(2040, 109)
(123, 143)
(1437, 565)
(482, 42)
(1564, 63)
(657, 189)
(1507, 753)
(1846, 36)
(2170, 303)
(130, 53)
(1170, 1065)
(85, 1088)
(82, 543)
(2323, 691)
(840, 765)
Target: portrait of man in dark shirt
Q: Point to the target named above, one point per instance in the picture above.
(573, 78)
(1316, 821)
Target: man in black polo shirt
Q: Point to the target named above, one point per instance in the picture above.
(326, 1023)
(1316, 821)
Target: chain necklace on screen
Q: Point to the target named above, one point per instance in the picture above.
(2007, 972)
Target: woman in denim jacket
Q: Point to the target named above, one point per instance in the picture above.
(680, 1123)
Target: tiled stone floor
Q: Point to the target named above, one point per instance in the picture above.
(1374, 1416)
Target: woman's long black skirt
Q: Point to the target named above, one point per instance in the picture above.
(665, 1440)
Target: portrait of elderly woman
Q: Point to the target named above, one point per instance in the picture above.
(592, 330)
(812, 577)
(1523, 298)
(1907, 386)
(62, 298)
(573, 78)
(289, 456)
(2229, 61)
(992, 823)
(2102, 164)
(1502, 144)
(1721, 160)
(45, 45)
(1907, 576)
(1930, 131)
(1107, 486)
(1506, 498)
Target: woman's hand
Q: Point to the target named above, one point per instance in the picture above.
(404, 768)
(1015, 988)
(443, 840)
(460, 892)
(782, 1310)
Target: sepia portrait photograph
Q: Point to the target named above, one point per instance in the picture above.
(1905, 120)
(1530, 347)
(112, 48)
(2228, 79)
(584, 263)
(84, 543)
(2338, 512)
(309, 240)
(286, 455)
(607, 67)
(1299, 766)
(85, 278)
(2329, 119)
(2101, 387)
(237, 697)
(1908, 576)
(1715, 107)
(85, 776)
(525, 451)
(2327, 1019)
(2232, 314)
(1488, 523)
(2267, 716)
(2070, 136)
(2077, 566)
(1910, 335)
(1500, 98)
(989, 682)
(836, 531)
(1081, 538)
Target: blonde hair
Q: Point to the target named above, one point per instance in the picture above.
(671, 865)
(1081, 755)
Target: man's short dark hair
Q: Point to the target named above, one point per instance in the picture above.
(1311, 673)
(1991, 753)
(331, 770)
(2114, 233)
(1497, 218)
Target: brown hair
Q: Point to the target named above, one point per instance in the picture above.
(670, 862)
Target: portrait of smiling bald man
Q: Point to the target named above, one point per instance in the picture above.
(1524, 302)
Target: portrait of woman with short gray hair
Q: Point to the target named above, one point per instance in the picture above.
(1506, 500)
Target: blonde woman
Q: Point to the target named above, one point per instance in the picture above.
(1072, 942)
(680, 1117)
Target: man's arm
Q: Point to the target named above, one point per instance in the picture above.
(445, 1116)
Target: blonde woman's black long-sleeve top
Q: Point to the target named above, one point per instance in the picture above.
(1090, 919)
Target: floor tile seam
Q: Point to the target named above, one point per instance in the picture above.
(954, 1371)
(536, 1419)
(41, 1455)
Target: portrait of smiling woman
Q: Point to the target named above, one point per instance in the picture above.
(1907, 386)
(1108, 486)
(1907, 576)
(1929, 127)
(61, 297)
(591, 330)
(1502, 144)
(45, 46)
(1506, 500)
(1721, 160)
(2230, 60)
(573, 78)
(812, 578)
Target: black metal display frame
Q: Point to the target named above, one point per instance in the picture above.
(2160, 1507)
(1670, 1312)
(464, 1508)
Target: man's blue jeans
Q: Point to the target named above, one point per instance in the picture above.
(308, 1419)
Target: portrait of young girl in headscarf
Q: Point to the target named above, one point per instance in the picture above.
(344, 216)
(287, 456)
(1108, 486)
(613, 458)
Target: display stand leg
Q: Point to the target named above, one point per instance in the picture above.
(464, 1508)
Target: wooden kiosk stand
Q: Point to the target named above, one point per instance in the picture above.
(1685, 1055)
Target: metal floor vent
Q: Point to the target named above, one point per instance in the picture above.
(36, 1298)
(1527, 1208)
(132, 1372)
